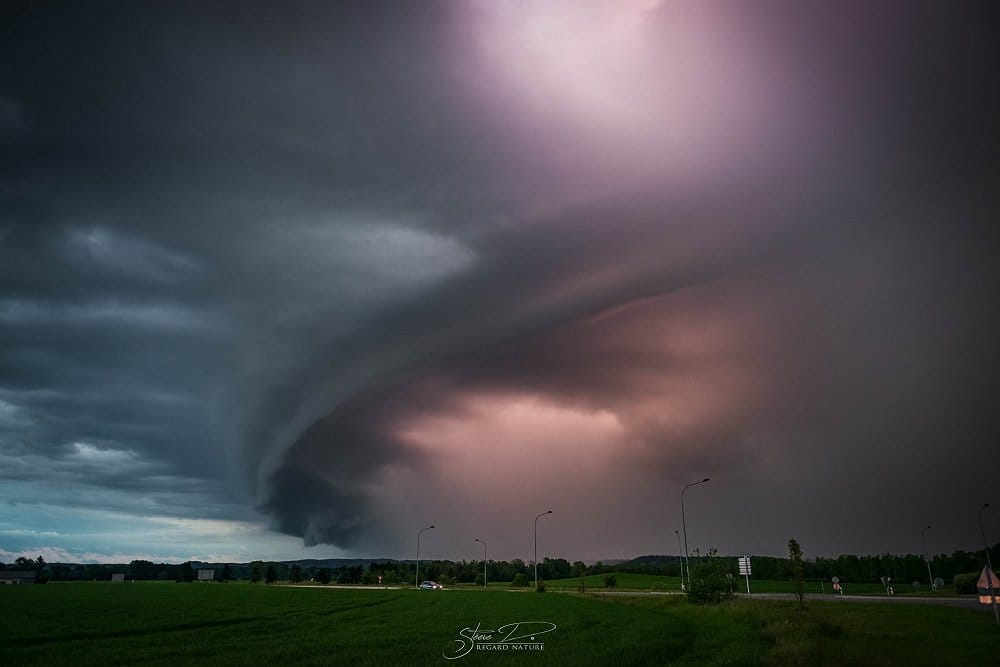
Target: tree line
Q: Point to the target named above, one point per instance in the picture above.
(848, 567)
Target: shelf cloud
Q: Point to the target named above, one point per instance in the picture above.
(334, 273)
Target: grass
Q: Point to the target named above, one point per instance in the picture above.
(649, 582)
(243, 624)
(625, 581)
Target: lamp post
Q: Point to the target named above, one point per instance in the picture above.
(484, 561)
(680, 557)
(687, 556)
(416, 579)
(989, 566)
(536, 545)
(923, 543)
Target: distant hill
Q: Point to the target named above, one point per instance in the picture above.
(304, 563)
(652, 560)
(608, 561)
(334, 563)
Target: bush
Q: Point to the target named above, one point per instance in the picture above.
(610, 581)
(581, 584)
(798, 570)
(541, 586)
(520, 580)
(480, 580)
(966, 583)
(710, 581)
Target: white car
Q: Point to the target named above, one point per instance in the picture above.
(430, 585)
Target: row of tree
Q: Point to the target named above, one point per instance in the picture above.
(852, 568)
(848, 567)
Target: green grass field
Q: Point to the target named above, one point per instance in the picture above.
(243, 624)
(649, 582)
(625, 582)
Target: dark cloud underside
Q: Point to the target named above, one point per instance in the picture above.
(312, 265)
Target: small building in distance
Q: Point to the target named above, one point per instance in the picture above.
(17, 576)
(118, 578)
(206, 574)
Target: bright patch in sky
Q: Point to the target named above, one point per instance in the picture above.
(98, 456)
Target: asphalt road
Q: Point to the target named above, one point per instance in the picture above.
(966, 603)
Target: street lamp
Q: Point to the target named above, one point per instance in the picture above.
(416, 579)
(680, 557)
(923, 543)
(687, 556)
(484, 561)
(536, 545)
(989, 565)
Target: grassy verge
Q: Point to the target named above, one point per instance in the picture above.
(648, 582)
(625, 581)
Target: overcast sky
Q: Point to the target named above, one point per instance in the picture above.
(299, 279)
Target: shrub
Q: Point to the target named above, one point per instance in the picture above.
(480, 581)
(581, 584)
(966, 583)
(710, 581)
(541, 586)
(520, 580)
(798, 571)
(610, 581)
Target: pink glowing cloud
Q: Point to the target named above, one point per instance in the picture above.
(584, 418)
(638, 94)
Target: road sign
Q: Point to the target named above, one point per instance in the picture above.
(988, 584)
(744, 563)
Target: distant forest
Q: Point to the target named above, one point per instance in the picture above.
(849, 568)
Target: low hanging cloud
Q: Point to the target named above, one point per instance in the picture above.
(350, 270)
(740, 359)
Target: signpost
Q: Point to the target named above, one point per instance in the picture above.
(987, 588)
(744, 562)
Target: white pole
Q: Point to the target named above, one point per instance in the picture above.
(536, 545)
(680, 557)
(923, 543)
(989, 566)
(416, 577)
(484, 561)
(687, 555)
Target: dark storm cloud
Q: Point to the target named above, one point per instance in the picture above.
(193, 198)
(846, 361)
(241, 253)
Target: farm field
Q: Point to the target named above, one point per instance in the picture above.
(244, 624)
